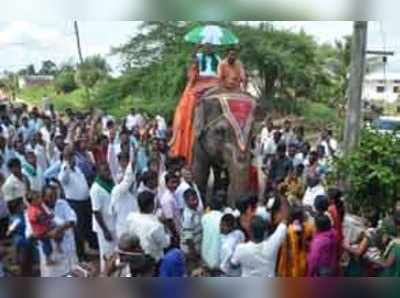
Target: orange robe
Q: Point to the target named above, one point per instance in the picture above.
(292, 260)
(183, 133)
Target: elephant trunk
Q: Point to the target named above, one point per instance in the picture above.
(239, 169)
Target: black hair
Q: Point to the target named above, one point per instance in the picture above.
(110, 123)
(321, 204)
(148, 176)
(243, 203)
(281, 148)
(297, 213)
(216, 203)
(14, 162)
(171, 176)
(146, 202)
(258, 229)
(172, 162)
(336, 195)
(188, 193)
(323, 223)
(229, 220)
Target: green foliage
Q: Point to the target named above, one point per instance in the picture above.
(29, 70)
(48, 68)
(283, 64)
(34, 95)
(65, 82)
(92, 70)
(373, 172)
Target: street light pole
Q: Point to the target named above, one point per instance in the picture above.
(354, 105)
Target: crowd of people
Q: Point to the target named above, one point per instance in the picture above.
(81, 190)
(78, 185)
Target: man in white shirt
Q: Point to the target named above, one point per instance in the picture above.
(66, 258)
(124, 200)
(152, 233)
(314, 189)
(330, 144)
(258, 257)
(16, 185)
(187, 183)
(76, 191)
(134, 119)
(271, 146)
(211, 243)
(33, 172)
(45, 131)
(103, 220)
(267, 132)
(169, 207)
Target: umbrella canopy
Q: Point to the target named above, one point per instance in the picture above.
(211, 34)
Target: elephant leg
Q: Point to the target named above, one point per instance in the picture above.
(201, 171)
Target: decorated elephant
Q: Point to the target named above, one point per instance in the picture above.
(223, 123)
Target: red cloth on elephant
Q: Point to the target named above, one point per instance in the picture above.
(183, 131)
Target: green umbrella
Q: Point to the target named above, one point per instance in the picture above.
(211, 34)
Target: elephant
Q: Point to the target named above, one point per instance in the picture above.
(223, 141)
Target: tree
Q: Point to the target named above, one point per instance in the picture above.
(281, 63)
(10, 84)
(65, 81)
(372, 171)
(48, 68)
(28, 71)
(93, 70)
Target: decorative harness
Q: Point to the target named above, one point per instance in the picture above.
(238, 109)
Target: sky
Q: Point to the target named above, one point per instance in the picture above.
(26, 42)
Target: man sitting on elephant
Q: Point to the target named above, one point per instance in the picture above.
(232, 65)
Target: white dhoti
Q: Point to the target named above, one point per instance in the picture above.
(106, 249)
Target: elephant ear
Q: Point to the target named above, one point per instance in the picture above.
(207, 110)
(199, 121)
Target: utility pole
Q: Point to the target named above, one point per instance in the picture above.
(354, 105)
(78, 42)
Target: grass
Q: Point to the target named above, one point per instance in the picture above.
(319, 115)
(77, 101)
(34, 95)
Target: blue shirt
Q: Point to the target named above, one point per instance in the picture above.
(173, 264)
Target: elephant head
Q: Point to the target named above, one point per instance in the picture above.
(223, 124)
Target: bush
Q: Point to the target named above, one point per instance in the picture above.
(65, 82)
(373, 172)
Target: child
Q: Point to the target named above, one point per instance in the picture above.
(230, 238)
(42, 224)
(191, 224)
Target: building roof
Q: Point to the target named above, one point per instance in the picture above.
(378, 76)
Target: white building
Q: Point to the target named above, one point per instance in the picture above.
(380, 87)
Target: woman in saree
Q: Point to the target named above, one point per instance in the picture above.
(391, 262)
(293, 255)
(202, 75)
